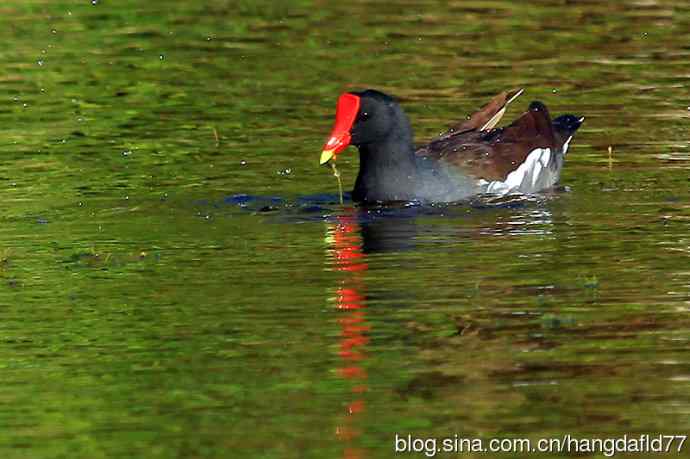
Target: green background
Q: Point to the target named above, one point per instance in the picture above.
(147, 311)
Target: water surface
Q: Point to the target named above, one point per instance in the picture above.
(178, 279)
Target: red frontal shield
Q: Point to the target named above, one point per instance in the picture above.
(345, 115)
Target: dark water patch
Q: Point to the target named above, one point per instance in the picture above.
(330, 203)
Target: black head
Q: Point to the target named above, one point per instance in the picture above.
(566, 125)
(379, 117)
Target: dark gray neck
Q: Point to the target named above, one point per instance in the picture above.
(387, 169)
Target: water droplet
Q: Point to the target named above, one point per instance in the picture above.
(40, 62)
(94, 2)
(244, 163)
(554, 90)
(161, 57)
(126, 153)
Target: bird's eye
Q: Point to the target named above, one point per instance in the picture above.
(364, 116)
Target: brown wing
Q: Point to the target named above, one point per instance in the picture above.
(487, 117)
(494, 154)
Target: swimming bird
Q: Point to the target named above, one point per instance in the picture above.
(472, 157)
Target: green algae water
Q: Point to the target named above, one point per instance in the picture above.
(178, 279)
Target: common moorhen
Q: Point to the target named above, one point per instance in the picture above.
(472, 157)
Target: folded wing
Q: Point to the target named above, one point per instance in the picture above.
(479, 150)
(488, 116)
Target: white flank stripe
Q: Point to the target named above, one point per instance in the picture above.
(566, 145)
(525, 177)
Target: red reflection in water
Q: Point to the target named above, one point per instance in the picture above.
(350, 299)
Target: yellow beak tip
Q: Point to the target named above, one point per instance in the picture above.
(326, 156)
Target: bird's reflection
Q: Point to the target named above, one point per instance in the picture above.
(347, 256)
(357, 233)
(351, 237)
(388, 234)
